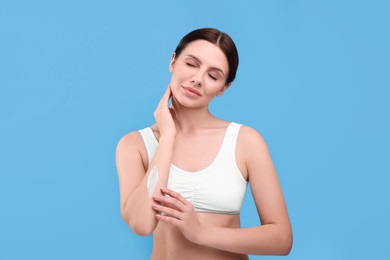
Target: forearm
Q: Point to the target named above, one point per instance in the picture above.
(138, 210)
(270, 239)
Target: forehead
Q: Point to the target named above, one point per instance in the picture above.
(208, 53)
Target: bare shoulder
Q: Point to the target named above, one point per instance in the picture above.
(250, 138)
(130, 141)
(251, 149)
(131, 147)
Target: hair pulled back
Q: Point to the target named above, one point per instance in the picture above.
(221, 39)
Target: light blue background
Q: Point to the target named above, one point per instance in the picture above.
(75, 76)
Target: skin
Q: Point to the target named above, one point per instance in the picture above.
(190, 137)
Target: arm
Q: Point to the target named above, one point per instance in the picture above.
(135, 202)
(273, 237)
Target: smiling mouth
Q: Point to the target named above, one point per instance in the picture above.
(194, 91)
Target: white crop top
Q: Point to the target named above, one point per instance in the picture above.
(218, 188)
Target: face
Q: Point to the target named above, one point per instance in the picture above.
(199, 74)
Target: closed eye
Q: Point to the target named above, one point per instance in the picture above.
(212, 77)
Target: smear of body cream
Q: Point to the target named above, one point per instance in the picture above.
(152, 181)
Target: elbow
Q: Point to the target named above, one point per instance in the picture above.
(141, 230)
(285, 243)
(139, 227)
(280, 243)
(285, 249)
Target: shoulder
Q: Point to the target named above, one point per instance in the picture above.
(131, 148)
(130, 142)
(249, 135)
(254, 153)
(129, 139)
(250, 142)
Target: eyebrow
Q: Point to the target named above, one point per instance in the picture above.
(198, 60)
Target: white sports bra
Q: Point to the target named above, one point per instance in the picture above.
(218, 188)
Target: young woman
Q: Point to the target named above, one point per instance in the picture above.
(184, 178)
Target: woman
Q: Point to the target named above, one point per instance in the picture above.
(184, 178)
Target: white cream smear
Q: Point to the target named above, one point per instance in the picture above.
(152, 181)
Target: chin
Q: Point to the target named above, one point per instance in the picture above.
(182, 101)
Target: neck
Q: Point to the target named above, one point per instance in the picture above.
(190, 119)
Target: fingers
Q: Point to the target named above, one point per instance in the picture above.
(175, 195)
(173, 205)
(168, 219)
(169, 91)
(164, 101)
(165, 98)
(163, 115)
(167, 211)
(163, 104)
(170, 95)
(167, 95)
(172, 201)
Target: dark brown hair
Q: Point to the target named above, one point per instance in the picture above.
(221, 39)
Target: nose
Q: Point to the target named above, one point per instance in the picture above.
(196, 80)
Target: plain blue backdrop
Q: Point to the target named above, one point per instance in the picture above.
(75, 76)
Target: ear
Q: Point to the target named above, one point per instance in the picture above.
(223, 90)
(172, 63)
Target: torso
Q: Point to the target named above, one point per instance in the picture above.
(169, 243)
(193, 152)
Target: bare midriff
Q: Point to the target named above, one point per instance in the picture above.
(169, 243)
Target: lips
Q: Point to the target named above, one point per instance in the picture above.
(194, 91)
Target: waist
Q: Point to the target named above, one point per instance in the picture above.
(169, 243)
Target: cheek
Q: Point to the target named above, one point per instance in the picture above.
(178, 76)
(175, 84)
(214, 88)
(174, 80)
(175, 75)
